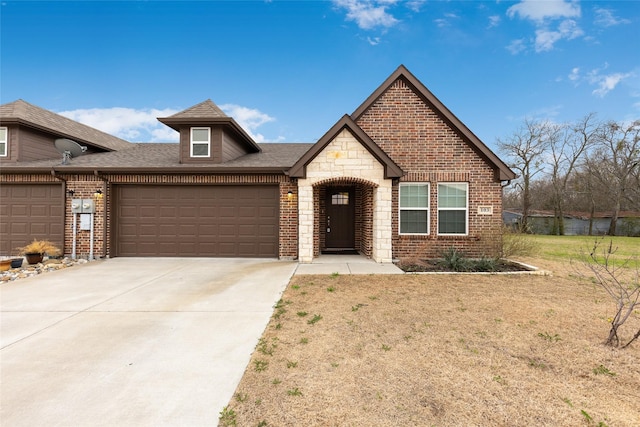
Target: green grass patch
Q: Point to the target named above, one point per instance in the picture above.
(572, 247)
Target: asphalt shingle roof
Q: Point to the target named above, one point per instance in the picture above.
(205, 110)
(22, 112)
(164, 157)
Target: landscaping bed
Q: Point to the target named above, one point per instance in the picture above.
(470, 266)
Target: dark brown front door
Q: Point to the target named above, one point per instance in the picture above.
(340, 208)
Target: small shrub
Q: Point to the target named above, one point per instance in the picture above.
(40, 247)
(516, 243)
(485, 264)
(454, 260)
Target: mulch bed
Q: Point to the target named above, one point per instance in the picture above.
(472, 266)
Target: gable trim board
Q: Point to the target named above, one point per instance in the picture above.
(366, 155)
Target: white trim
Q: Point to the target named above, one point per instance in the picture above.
(466, 209)
(207, 142)
(427, 208)
(5, 141)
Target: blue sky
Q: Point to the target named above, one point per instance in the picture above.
(288, 70)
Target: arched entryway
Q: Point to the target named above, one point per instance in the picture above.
(344, 220)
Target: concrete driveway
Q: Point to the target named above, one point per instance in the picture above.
(132, 341)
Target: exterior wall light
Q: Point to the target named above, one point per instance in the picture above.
(290, 195)
(98, 194)
(71, 192)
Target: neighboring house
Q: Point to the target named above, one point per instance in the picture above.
(576, 223)
(400, 177)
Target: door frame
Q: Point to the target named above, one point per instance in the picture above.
(345, 213)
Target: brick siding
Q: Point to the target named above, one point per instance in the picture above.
(85, 186)
(426, 147)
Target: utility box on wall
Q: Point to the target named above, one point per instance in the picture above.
(83, 206)
(85, 221)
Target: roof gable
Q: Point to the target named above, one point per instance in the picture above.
(391, 170)
(23, 113)
(207, 113)
(205, 109)
(503, 171)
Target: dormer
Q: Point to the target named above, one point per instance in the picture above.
(207, 135)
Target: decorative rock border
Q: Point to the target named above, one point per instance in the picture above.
(29, 270)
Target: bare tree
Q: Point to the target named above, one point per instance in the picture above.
(524, 149)
(567, 145)
(614, 164)
(620, 282)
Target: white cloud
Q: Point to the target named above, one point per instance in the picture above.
(546, 39)
(604, 83)
(517, 46)
(249, 118)
(142, 125)
(373, 41)
(545, 16)
(494, 21)
(139, 125)
(446, 21)
(369, 14)
(608, 82)
(605, 18)
(575, 74)
(415, 5)
(537, 10)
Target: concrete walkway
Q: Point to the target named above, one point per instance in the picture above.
(132, 341)
(346, 264)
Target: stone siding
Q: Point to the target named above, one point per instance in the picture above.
(344, 160)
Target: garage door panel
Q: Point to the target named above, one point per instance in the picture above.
(30, 211)
(196, 220)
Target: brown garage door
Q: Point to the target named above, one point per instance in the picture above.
(30, 211)
(184, 220)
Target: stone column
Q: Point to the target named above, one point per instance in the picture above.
(305, 222)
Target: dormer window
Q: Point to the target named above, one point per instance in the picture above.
(201, 142)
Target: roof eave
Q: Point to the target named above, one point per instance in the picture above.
(176, 123)
(67, 169)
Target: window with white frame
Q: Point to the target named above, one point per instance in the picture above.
(4, 139)
(453, 202)
(200, 142)
(414, 208)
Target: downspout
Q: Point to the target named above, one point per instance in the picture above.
(105, 181)
(64, 204)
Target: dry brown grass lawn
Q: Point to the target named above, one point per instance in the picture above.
(442, 350)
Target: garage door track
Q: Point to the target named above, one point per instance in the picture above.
(132, 341)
